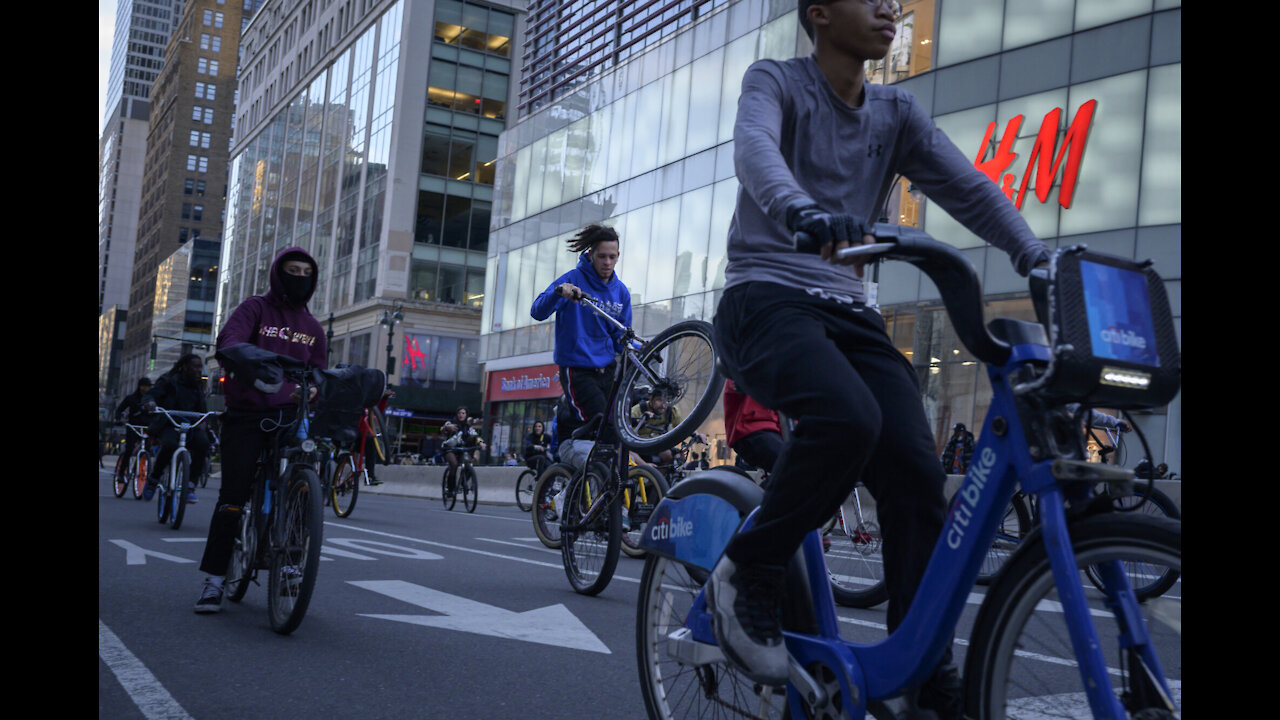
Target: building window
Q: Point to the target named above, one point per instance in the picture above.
(204, 164)
(216, 45)
(197, 112)
(205, 139)
(911, 52)
(204, 41)
(199, 188)
(210, 91)
(197, 212)
(208, 116)
(188, 186)
(191, 162)
(186, 211)
(217, 19)
(182, 234)
(194, 138)
(202, 66)
(200, 90)
(208, 17)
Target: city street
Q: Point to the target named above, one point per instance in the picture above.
(418, 612)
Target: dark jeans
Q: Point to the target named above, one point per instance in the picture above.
(243, 440)
(197, 445)
(761, 449)
(856, 400)
(587, 390)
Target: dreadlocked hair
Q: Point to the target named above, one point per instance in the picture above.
(590, 236)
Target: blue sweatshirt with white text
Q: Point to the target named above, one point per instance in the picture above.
(583, 338)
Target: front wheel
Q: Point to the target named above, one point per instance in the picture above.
(179, 487)
(548, 503)
(296, 561)
(448, 491)
(638, 503)
(1148, 581)
(345, 486)
(1014, 525)
(853, 546)
(244, 552)
(378, 426)
(1020, 658)
(470, 491)
(524, 490)
(140, 467)
(590, 532)
(681, 362)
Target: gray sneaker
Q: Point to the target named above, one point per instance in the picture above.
(746, 607)
(210, 598)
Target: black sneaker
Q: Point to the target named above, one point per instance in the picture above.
(374, 481)
(943, 693)
(746, 607)
(210, 598)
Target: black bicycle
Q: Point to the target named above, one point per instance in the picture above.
(464, 484)
(678, 362)
(527, 480)
(282, 531)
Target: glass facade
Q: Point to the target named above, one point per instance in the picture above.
(315, 177)
(185, 290)
(646, 147)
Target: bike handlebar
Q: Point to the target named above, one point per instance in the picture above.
(188, 415)
(950, 271)
(595, 304)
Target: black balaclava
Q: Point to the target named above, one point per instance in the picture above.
(297, 288)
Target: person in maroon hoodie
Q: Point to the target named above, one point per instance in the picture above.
(278, 321)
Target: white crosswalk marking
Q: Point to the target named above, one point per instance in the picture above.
(144, 689)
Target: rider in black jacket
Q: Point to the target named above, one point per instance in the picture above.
(130, 410)
(182, 388)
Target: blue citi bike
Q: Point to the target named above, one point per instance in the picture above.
(1045, 643)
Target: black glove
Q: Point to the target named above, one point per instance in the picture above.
(824, 228)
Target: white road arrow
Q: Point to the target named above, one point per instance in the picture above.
(551, 625)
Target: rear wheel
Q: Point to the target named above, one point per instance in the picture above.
(855, 562)
(345, 486)
(637, 504)
(295, 563)
(702, 684)
(1020, 660)
(524, 489)
(120, 480)
(548, 503)
(448, 491)
(1014, 525)
(590, 536)
(470, 492)
(179, 488)
(680, 361)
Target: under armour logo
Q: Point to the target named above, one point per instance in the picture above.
(874, 150)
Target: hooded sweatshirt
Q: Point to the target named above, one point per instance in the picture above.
(274, 323)
(583, 338)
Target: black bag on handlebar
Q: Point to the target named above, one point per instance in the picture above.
(1111, 330)
(343, 394)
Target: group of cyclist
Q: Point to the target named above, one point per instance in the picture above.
(792, 330)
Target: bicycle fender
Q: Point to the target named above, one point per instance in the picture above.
(694, 523)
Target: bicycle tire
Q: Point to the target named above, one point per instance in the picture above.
(208, 470)
(546, 516)
(524, 490)
(589, 547)
(1147, 581)
(1014, 526)
(179, 488)
(120, 480)
(470, 490)
(141, 467)
(447, 495)
(378, 426)
(345, 486)
(684, 357)
(999, 676)
(162, 498)
(636, 509)
(303, 534)
(855, 558)
(244, 550)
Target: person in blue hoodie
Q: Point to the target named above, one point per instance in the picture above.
(586, 344)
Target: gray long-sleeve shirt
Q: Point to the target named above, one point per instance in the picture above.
(797, 143)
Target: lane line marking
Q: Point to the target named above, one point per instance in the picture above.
(143, 688)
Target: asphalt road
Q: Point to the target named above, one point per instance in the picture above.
(418, 613)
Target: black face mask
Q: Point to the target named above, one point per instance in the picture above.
(297, 288)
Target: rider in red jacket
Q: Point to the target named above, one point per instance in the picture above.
(752, 429)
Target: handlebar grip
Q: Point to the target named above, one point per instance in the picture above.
(803, 242)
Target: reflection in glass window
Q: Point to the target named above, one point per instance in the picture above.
(1107, 194)
(430, 224)
(1162, 149)
(911, 52)
(1092, 13)
(969, 30)
(1030, 21)
(958, 126)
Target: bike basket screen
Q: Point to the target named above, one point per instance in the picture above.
(1119, 311)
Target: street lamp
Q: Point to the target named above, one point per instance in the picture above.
(389, 320)
(328, 348)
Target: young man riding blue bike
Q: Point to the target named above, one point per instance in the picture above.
(816, 148)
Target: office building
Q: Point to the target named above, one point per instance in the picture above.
(368, 134)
